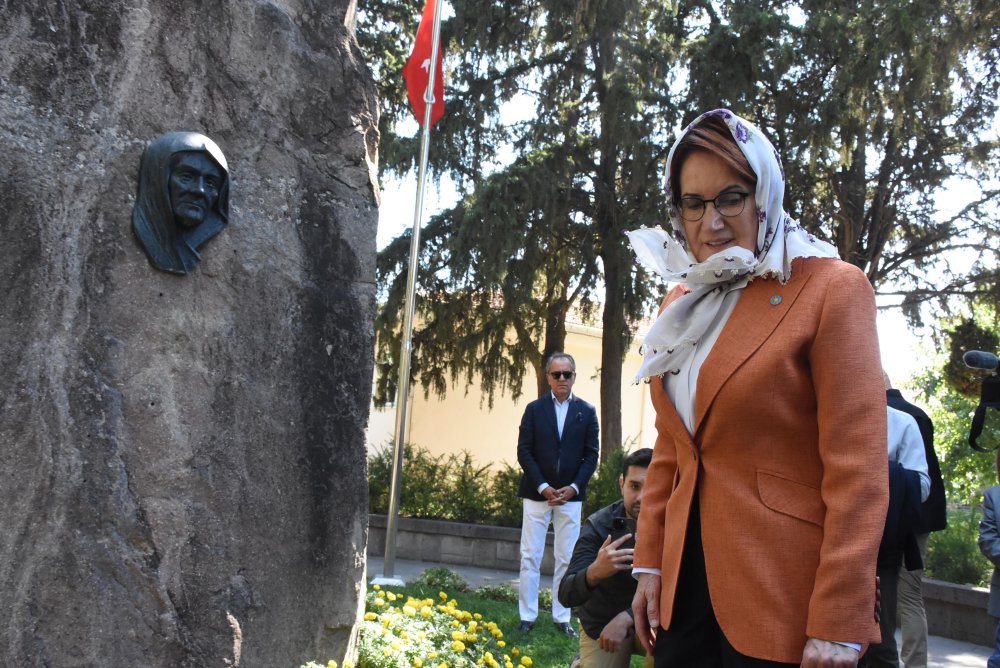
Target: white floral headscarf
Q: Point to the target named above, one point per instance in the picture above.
(780, 239)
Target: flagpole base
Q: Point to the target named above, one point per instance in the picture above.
(383, 581)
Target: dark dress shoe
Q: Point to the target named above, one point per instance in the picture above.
(564, 627)
(524, 627)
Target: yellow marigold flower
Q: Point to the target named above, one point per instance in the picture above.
(472, 638)
(387, 651)
(421, 635)
(515, 651)
(443, 664)
(477, 616)
(331, 664)
(501, 643)
(395, 645)
(348, 663)
(377, 587)
(458, 646)
(525, 660)
(473, 625)
(389, 595)
(455, 624)
(457, 635)
(432, 655)
(417, 663)
(444, 596)
(379, 602)
(409, 611)
(426, 611)
(370, 616)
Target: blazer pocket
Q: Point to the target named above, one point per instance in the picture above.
(790, 497)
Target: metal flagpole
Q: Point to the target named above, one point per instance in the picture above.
(406, 347)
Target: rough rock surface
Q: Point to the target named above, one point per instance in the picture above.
(183, 478)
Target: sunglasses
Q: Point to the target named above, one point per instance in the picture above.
(562, 374)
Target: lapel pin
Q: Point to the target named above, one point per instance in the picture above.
(775, 300)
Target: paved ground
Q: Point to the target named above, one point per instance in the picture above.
(944, 653)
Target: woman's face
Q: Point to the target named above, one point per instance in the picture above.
(706, 176)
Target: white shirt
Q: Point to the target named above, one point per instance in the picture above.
(906, 447)
(682, 386)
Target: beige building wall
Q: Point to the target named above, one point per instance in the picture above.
(461, 421)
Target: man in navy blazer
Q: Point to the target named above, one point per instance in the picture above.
(557, 449)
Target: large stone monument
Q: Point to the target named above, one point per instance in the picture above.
(183, 478)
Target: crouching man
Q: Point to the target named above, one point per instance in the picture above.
(599, 582)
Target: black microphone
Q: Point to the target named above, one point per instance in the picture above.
(977, 359)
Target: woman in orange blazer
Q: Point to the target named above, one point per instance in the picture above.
(766, 497)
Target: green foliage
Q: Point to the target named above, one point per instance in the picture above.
(953, 554)
(502, 592)
(952, 394)
(969, 333)
(965, 472)
(603, 487)
(455, 487)
(874, 107)
(449, 487)
(439, 577)
(506, 503)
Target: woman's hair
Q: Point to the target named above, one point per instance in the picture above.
(713, 136)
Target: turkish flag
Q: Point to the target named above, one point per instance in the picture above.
(417, 69)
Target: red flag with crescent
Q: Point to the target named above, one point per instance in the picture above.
(417, 69)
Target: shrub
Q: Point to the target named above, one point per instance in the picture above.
(504, 501)
(448, 487)
(501, 592)
(439, 577)
(455, 487)
(466, 489)
(953, 554)
(603, 488)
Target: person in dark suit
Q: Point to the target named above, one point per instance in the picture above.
(557, 450)
(933, 517)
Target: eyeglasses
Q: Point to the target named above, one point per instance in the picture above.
(727, 204)
(562, 374)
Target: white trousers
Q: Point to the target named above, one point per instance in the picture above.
(535, 519)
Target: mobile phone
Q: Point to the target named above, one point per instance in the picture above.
(621, 526)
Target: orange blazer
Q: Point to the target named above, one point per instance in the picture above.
(790, 458)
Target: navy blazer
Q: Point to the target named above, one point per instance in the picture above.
(545, 458)
(933, 512)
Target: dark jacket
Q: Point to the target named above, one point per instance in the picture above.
(933, 514)
(544, 457)
(899, 540)
(598, 606)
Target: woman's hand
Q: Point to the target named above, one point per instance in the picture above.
(825, 654)
(646, 609)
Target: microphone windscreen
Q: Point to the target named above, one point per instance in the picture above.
(977, 359)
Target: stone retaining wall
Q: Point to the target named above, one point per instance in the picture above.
(959, 612)
(953, 611)
(455, 543)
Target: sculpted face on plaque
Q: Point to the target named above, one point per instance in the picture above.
(182, 200)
